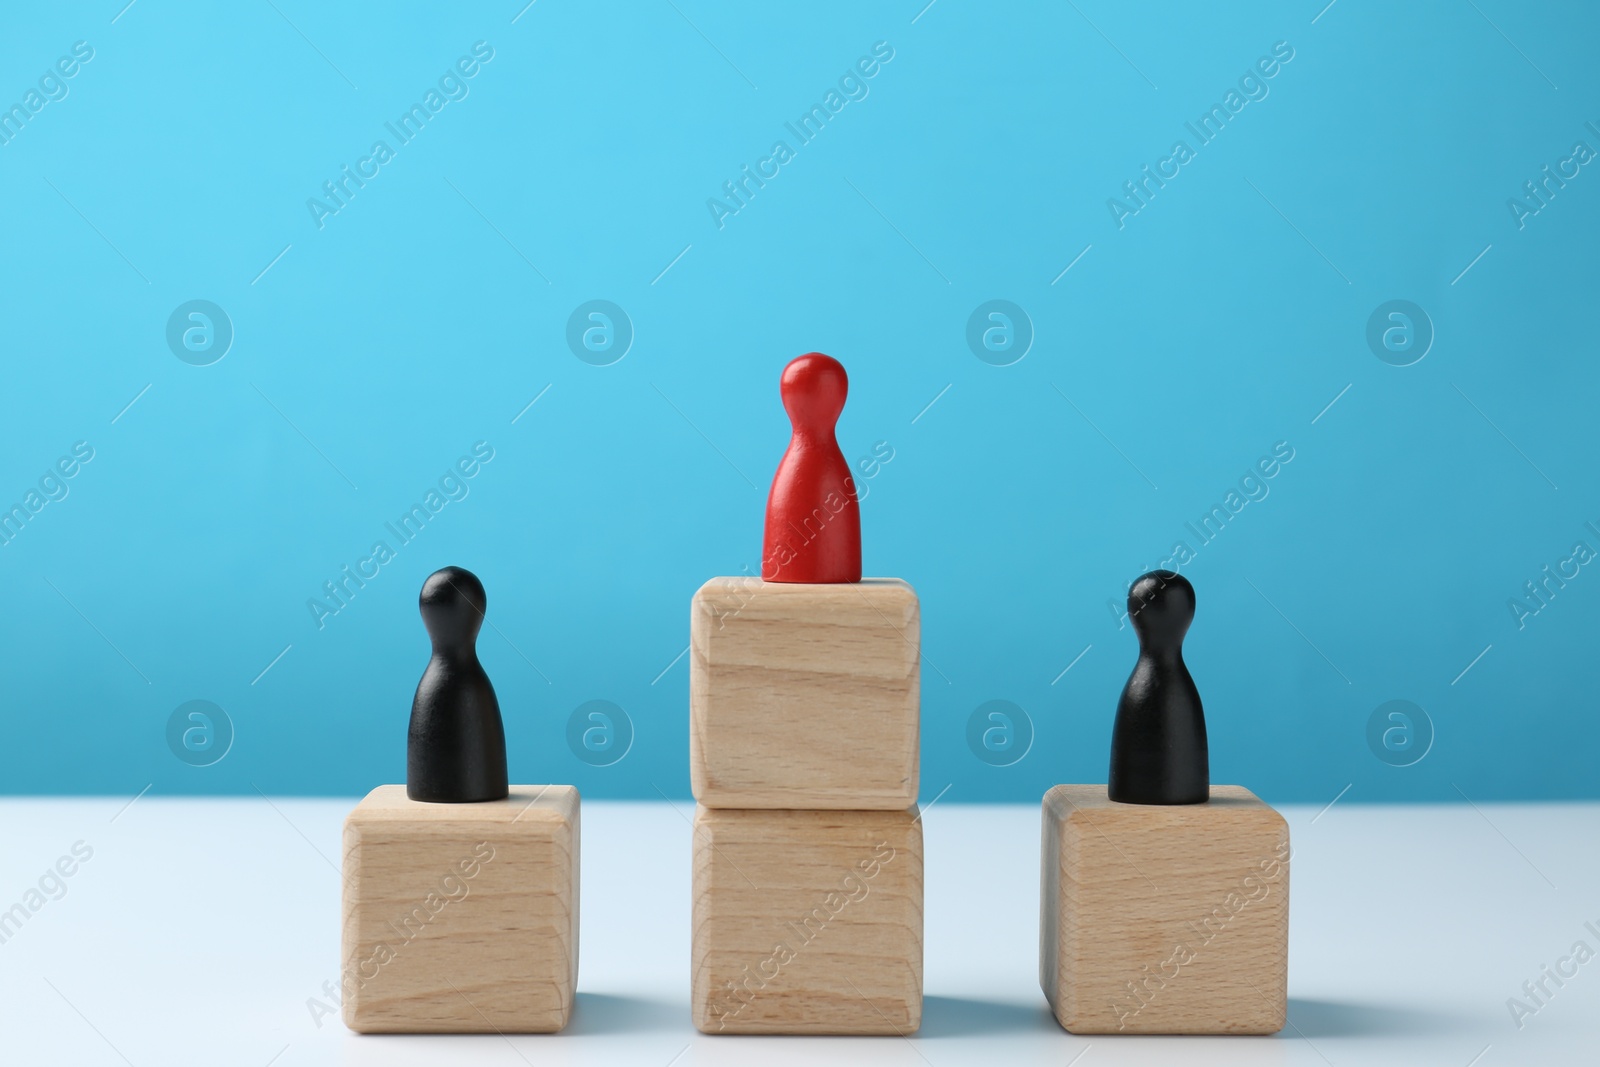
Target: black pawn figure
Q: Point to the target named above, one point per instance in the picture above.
(1158, 745)
(456, 748)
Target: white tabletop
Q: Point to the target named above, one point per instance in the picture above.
(198, 930)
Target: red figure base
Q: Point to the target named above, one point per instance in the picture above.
(813, 530)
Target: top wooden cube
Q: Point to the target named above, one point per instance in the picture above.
(804, 696)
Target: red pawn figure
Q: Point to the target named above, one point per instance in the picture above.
(813, 518)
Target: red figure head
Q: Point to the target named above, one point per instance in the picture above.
(813, 532)
(813, 387)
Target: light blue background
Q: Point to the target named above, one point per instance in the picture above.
(423, 317)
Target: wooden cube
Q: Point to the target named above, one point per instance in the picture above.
(804, 696)
(461, 918)
(1164, 919)
(807, 922)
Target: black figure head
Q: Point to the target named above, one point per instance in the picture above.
(453, 604)
(1161, 607)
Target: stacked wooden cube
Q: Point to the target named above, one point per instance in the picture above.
(804, 708)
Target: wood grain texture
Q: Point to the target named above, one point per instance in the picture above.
(804, 696)
(807, 922)
(461, 918)
(1164, 919)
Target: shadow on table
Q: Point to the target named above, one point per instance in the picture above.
(1334, 1018)
(609, 1013)
(965, 1017)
